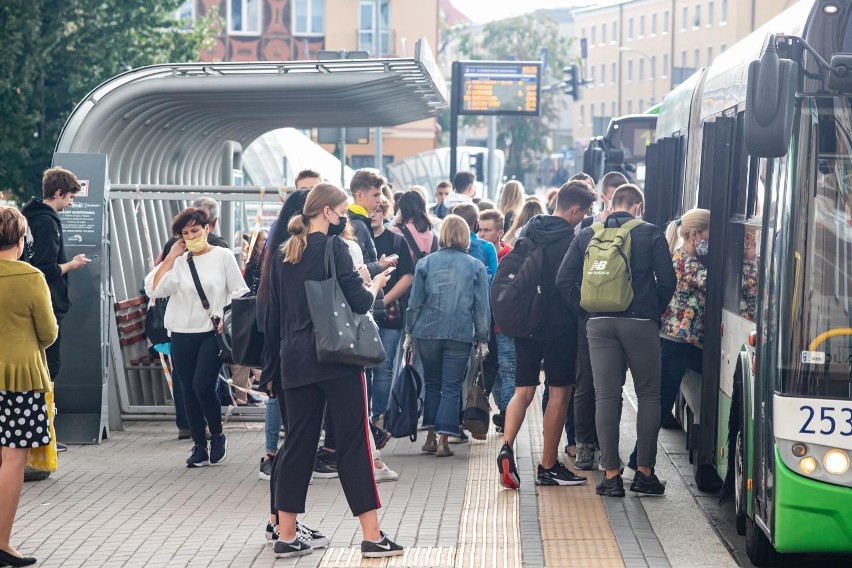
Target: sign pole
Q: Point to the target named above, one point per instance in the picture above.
(455, 91)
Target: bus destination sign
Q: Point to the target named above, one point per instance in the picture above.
(501, 88)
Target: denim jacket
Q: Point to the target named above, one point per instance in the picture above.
(449, 298)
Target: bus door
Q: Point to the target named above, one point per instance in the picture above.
(663, 183)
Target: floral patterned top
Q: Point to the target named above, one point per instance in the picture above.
(684, 318)
(748, 299)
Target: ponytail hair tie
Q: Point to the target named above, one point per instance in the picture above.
(678, 221)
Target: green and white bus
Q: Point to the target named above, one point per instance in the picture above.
(763, 138)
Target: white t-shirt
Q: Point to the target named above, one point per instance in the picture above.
(220, 279)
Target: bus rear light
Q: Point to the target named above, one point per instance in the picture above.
(836, 461)
(808, 465)
(799, 450)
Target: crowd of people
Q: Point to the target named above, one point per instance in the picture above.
(428, 277)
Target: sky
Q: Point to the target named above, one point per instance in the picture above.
(481, 11)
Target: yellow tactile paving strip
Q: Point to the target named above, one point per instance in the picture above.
(575, 530)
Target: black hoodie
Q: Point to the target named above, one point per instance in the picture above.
(48, 251)
(555, 235)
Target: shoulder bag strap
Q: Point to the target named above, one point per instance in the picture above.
(197, 282)
(409, 238)
(330, 264)
(434, 243)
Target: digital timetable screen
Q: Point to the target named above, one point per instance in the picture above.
(503, 88)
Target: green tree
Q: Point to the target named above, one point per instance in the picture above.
(56, 51)
(524, 138)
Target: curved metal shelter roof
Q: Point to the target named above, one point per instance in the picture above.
(172, 124)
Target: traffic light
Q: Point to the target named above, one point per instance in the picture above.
(572, 81)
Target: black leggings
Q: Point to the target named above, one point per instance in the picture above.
(196, 360)
(347, 410)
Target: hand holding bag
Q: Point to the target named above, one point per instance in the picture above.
(342, 336)
(477, 411)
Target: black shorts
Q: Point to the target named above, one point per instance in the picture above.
(560, 361)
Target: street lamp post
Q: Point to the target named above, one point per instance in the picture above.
(651, 66)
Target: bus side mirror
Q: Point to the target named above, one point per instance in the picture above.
(840, 79)
(593, 161)
(769, 105)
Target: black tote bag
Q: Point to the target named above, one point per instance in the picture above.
(246, 338)
(342, 336)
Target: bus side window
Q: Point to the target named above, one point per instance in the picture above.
(751, 215)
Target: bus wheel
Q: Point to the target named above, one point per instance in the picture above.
(740, 485)
(760, 551)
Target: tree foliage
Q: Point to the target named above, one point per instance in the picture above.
(522, 38)
(56, 51)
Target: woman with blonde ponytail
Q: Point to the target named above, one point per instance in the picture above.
(682, 333)
(311, 387)
(511, 202)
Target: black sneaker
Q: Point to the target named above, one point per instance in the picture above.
(558, 475)
(506, 466)
(271, 533)
(60, 447)
(296, 547)
(325, 464)
(380, 437)
(314, 538)
(218, 448)
(382, 549)
(199, 457)
(266, 465)
(612, 487)
(499, 421)
(647, 484)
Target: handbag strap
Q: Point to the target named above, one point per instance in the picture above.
(330, 267)
(195, 280)
(409, 238)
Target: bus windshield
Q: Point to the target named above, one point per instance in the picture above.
(819, 347)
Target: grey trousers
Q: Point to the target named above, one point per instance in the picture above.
(611, 341)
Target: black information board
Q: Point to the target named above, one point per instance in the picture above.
(500, 88)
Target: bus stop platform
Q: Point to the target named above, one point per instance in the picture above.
(130, 502)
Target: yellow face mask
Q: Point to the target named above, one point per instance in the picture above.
(197, 244)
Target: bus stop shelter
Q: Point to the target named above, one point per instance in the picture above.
(149, 142)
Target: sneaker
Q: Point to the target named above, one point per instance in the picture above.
(314, 539)
(647, 484)
(60, 447)
(383, 473)
(381, 438)
(585, 459)
(558, 475)
(630, 474)
(184, 434)
(325, 464)
(612, 487)
(266, 465)
(296, 547)
(272, 533)
(218, 448)
(506, 465)
(499, 421)
(198, 458)
(382, 549)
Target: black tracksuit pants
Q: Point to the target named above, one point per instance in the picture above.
(346, 402)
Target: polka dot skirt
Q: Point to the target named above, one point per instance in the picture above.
(23, 420)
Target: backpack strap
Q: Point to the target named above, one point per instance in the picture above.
(632, 224)
(409, 238)
(434, 247)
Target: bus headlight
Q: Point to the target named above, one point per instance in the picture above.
(836, 461)
(799, 450)
(808, 465)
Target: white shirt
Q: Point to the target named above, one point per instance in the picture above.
(220, 279)
(456, 198)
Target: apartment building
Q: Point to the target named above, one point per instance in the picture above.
(280, 30)
(636, 51)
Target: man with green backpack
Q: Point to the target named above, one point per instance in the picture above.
(619, 275)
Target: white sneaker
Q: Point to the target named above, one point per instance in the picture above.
(383, 472)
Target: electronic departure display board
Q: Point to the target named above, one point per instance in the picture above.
(500, 88)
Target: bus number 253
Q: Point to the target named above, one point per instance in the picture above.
(826, 421)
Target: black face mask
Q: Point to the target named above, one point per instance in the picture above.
(337, 230)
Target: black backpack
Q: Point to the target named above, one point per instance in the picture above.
(517, 298)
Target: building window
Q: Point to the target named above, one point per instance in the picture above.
(365, 29)
(630, 28)
(629, 107)
(612, 108)
(309, 17)
(697, 57)
(641, 105)
(244, 16)
(684, 21)
(710, 14)
(603, 73)
(594, 39)
(683, 58)
(710, 56)
(641, 69)
(723, 17)
(592, 113)
(603, 110)
(665, 21)
(653, 24)
(697, 21)
(603, 33)
(722, 48)
(652, 71)
(582, 115)
(629, 69)
(664, 72)
(614, 74)
(642, 26)
(591, 76)
(186, 14)
(614, 31)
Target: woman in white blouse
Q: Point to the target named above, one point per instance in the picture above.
(191, 324)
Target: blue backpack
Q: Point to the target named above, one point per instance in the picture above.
(404, 406)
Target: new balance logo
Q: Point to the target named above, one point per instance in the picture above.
(598, 265)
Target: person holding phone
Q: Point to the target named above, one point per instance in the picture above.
(193, 326)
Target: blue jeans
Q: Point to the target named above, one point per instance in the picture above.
(272, 425)
(383, 374)
(504, 386)
(444, 366)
